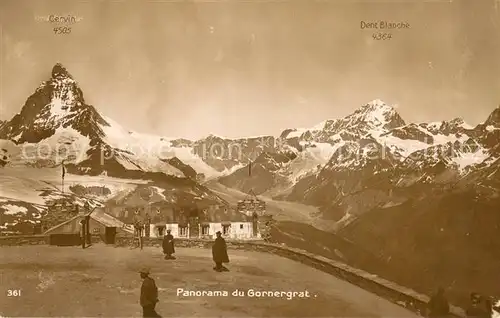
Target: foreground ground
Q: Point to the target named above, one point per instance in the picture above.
(103, 281)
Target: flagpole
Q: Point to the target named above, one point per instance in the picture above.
(62, 179)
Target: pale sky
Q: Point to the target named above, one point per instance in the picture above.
(242, 68)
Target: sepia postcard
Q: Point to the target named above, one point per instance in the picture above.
(250, 158)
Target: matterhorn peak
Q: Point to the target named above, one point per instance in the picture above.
(60, 71)
(57, 102)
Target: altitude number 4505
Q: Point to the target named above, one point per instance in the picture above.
(62, 30)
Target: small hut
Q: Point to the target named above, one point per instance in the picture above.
(96, 223)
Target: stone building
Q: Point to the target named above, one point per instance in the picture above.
(204, 223)
(187, 222)
(257, 210)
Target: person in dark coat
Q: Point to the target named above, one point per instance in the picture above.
(149, 295)
(438, 305)
(219, 253)
(477, 308)
(489, 306)
(168, 245)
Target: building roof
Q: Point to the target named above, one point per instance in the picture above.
(97, 215)
(75, 218)
(105, 219)
(160, 214)
(223, 213)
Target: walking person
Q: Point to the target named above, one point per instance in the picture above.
(168, 245)
(439, 306)
(149, 295)
(219, 253)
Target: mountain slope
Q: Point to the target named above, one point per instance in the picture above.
(445, 240)
(56, 124)
(386, 167)
(373, 140)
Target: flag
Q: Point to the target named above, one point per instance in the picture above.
(250, 169)
(63, 171)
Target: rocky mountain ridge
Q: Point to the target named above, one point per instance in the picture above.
(372, 152)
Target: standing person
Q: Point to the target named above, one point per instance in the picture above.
(149, 295)
(438, 305)
(219, 253)
(168, 245)
(138, 233)
(476, 309)
(489, 306)
(82, 232)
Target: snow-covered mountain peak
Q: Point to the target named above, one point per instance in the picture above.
(494, 118)
(376, 103)
(378, 114)
(60, 72)
(216, 137)
(320, 126)
(57, 103)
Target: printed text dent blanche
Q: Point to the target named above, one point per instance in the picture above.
(384, 25)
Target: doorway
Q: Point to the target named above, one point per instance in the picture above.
(161, 231)
(194, 230)
(110, 235)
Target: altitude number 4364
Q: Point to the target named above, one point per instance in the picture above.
(381, 36)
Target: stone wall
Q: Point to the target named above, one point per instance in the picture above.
(24, 240)
(395, 293)
(125, 241)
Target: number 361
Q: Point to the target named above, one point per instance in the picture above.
(13, 293)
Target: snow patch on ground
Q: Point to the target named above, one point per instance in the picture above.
(405, 147)
(159, 191)
(308, 160)
(187, 156)
(65, 144)
(297, 132)
(149, 149)
(491, 128)
(25, 184)
(468, 159)
(14, 209)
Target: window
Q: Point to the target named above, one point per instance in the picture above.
(183, 230)
(241, 226)
(205, 230)
(225, 229)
